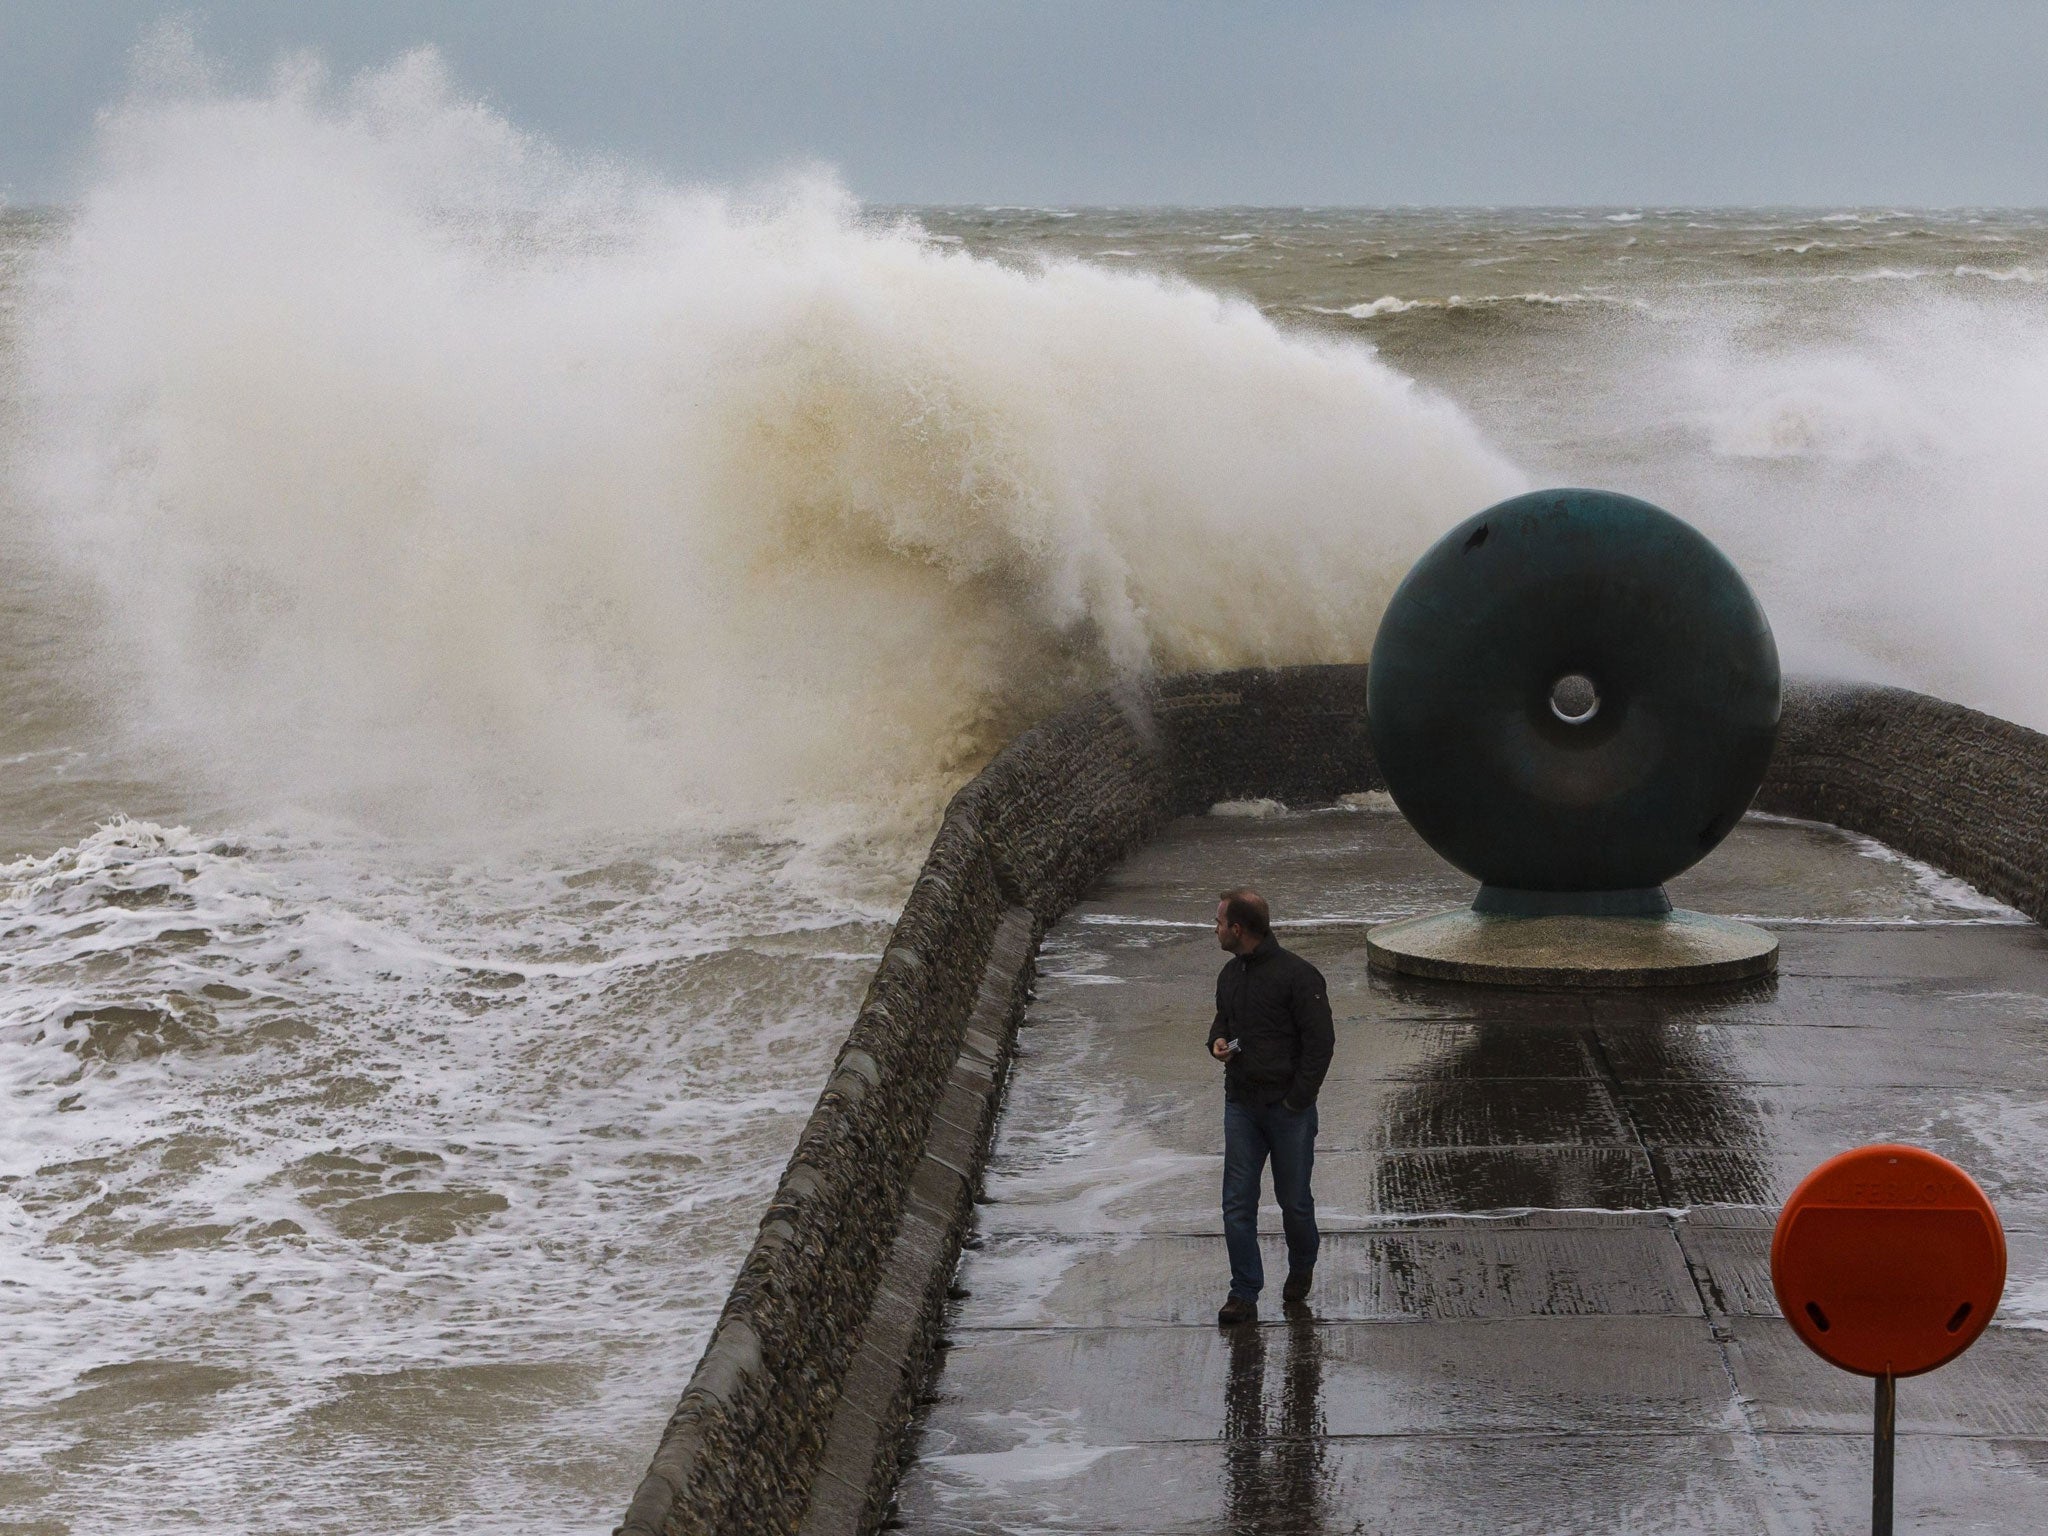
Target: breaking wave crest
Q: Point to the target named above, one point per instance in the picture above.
(1393, 304)
(427, 475)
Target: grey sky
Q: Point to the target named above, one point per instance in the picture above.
(1173, 101)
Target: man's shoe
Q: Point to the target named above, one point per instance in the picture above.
(1298, 1282)
(1237, 1310)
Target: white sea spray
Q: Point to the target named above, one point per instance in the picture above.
(425, 474)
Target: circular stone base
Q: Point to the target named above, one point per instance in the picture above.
(1675, 950)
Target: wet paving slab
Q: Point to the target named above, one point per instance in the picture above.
(1544, 1300)
(1482, 1270)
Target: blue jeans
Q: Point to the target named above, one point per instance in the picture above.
(1250, 1135)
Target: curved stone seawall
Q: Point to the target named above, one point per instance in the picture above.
(795, 1417)
(796, 1411)
(1964, 791)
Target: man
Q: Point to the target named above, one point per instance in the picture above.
(1273, 1035)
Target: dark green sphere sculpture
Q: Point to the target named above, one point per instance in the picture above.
(1573, 697)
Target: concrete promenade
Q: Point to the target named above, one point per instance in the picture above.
(1543, 1303)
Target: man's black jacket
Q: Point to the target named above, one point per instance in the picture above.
(1274, 1005)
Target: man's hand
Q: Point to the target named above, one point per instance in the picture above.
(1220, 1048)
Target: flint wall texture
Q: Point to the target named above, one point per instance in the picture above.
(796, 1414)
(1965, 791)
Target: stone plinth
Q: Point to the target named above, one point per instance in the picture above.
(1675, 949)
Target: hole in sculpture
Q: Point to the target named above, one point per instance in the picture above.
(1574, 699)
(1476, 537)
(1820, 1318)
(1960, 1316)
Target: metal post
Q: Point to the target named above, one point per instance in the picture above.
(1881, 1460)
